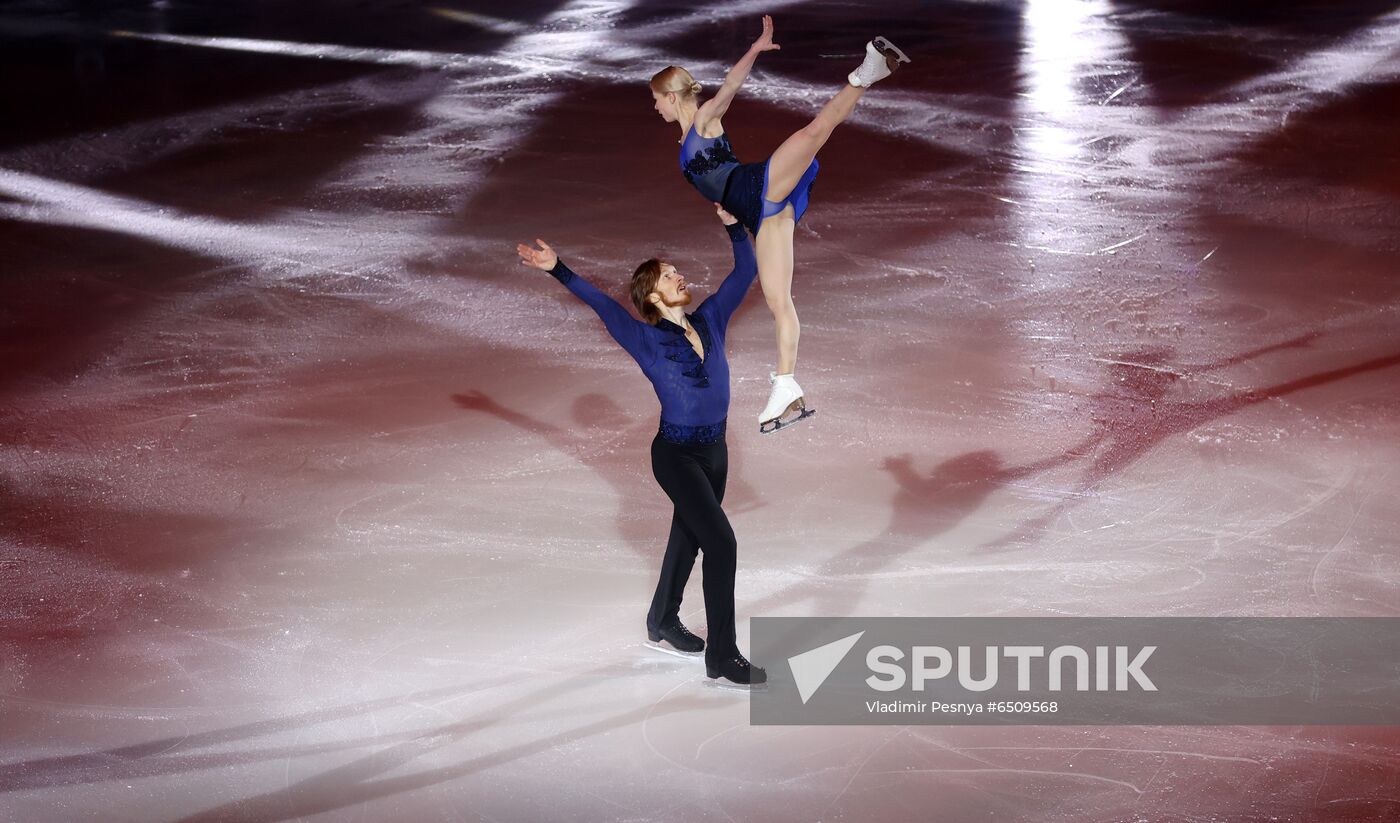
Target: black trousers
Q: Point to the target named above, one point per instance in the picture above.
(693, 477)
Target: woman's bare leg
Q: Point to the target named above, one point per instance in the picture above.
(793, 157)
(773, 247)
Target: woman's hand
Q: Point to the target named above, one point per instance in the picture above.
(765, 40)
(725, 217)
(542, 258)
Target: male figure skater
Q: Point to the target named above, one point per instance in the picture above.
(683, 357)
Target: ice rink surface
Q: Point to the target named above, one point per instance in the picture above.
(318, 506)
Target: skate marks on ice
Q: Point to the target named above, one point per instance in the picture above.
(568, 33)
(580, 62)
(1138, 772)
(1133, 414)
(182, 754)
(454, 114)
(195, 354)
(1074, 148)
(364, 778)
(1192, 51)
(924, 506)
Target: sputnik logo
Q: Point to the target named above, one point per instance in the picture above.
(811, 668)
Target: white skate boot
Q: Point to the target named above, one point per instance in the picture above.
(784, 399)
(881, 59)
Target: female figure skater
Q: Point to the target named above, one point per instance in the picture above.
(770, 197)
(683, 357)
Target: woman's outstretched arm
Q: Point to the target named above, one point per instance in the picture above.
(716, 106)
(627, 330)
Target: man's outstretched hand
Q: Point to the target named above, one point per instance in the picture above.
(725, 217)
(542, 258)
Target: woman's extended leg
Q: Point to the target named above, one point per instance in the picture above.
(773, 246)
(774, 250)
(792, 158)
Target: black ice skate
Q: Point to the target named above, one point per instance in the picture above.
(736, 670)
(675, 638)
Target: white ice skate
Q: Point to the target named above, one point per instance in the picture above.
(786, 405)
(881, 59)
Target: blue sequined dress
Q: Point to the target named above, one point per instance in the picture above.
(710, 166)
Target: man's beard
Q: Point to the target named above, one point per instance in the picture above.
(671, 304)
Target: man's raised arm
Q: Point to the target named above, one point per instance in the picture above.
(726, 299)
(627, 330)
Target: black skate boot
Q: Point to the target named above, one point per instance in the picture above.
(736, 669)
(677, 636)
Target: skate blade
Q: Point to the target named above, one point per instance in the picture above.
(730, 686)
(668, 649)
(779, 424)
(889, 49)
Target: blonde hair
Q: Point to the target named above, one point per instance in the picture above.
(675, 79)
